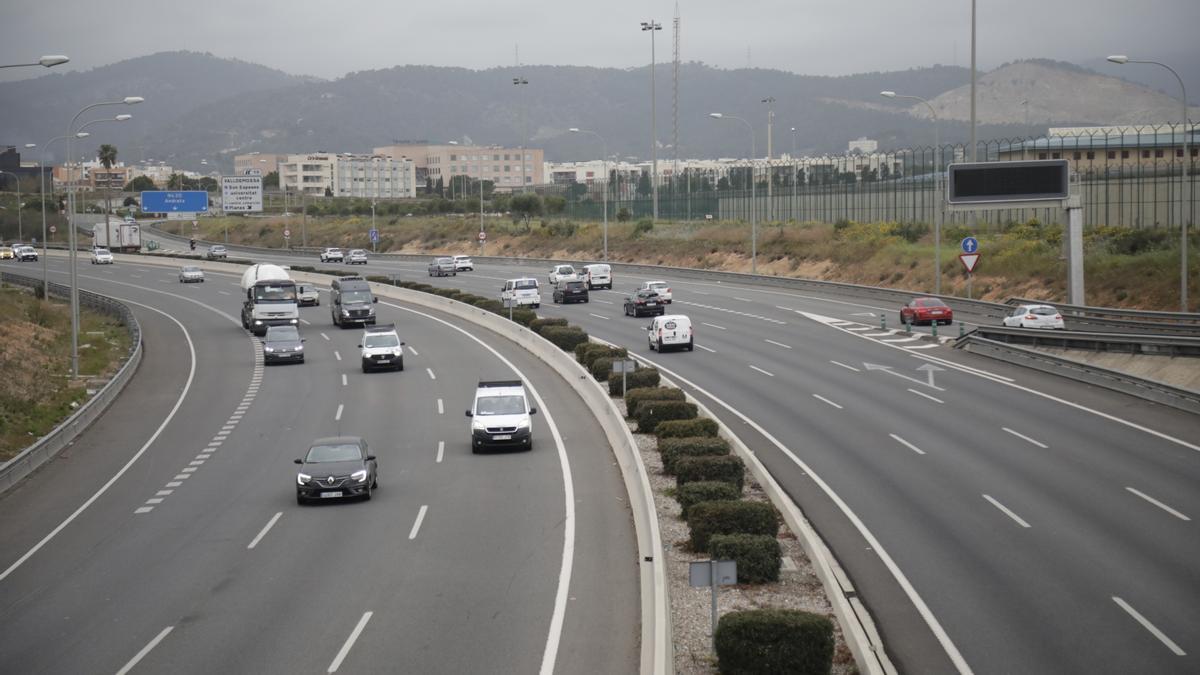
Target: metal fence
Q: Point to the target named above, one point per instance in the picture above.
(1123, 176)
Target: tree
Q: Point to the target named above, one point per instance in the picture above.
(643, 186)
(130, 201)
(140, 184)
(208, 184)
(107, 157)
(555, 205)
(271, 180)
(526, 205)
(328, 191)
(440, 188)
(623, 215)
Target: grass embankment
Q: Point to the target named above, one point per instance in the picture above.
(35, 355)
(1124, 267)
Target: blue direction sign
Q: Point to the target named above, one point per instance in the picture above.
(180, 201)
(374, 236)
(970, 245)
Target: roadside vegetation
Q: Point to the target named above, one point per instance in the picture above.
(35, 353)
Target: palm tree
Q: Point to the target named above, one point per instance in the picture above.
(108, 157)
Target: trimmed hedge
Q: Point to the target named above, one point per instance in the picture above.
(687, 428)
(523, 316)
(675, 449)
(591, 351)
(493, 306)
(635, 396)
(538, 324)
(765, 641)
(650, 413)
(704, 491)
(708, 518)
(601, 368)
(726, 468)
(565, 338)
(642, 377)
(758, 556)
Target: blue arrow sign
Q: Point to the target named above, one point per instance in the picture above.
(374, 236)
(970, 245)
(181, 201)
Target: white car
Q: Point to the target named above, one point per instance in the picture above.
(597, 276)
(331, 254)
(190, 273)
(381, 348)
(563, 272)
(463, 262)
(521, 292)
(356, 256)
(670, 331)
(1035, 316)
(661, 287)
(25, 253)
(101, 256)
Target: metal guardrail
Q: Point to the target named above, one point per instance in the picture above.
(47, 447)
(1127, 343)
(1141, 315)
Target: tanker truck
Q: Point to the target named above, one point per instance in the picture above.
(268, 298)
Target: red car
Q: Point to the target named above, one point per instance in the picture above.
(926, 310)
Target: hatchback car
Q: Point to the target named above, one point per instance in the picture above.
(283, 344)
(336, 467)
(644, 301)
(331, 255)
(463, 263)
(7, 252)
(1035, 316)
(926, 310)
(101, 256)
(216, 252)
(440, 267)
(662, 288)
(562, 272)
(356, 256)
(570, 290)
(307, 295)
(25, 253)
(191, 274)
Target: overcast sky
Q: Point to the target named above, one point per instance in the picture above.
(828, 37)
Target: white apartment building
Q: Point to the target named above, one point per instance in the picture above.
(864, 145)
(260, 161)
(502, 166)
(347, 175)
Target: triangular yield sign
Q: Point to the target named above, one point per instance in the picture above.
(969, 260)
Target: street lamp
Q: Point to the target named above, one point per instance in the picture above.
(524, 130)
(653, 27)
(604, 162)
(753, 199)
(937, 173)
(1121, 59)
(45, 61)
(770, 101)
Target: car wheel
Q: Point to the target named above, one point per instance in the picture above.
(691, 345)
(651, 342)
(300, 499)
(660, 345)
(367, 494)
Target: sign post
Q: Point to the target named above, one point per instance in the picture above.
(482, 241)
(624, 367)
(712, 573)
(374, 239)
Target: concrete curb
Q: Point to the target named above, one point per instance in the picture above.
(47, 447)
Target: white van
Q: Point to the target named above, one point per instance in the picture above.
(670, 331)
(597, 276)
(523, 291)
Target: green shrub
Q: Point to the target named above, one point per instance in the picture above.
(642, 377)
(685, 428)
(708, 518)
(538, 324)
(601, 368)
(704, 491)
(492, 306)
(675, 449)
(524, 316)
(727, 468)
(650, 413)
(565, 338)
(758, 556)
(591, 351)
(424, 288)
(755, 641)
(635, 396)
(447, 292)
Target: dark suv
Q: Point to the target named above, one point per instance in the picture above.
(570, 291)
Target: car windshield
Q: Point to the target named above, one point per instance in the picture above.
(381, 340)
(1044, 311)
(217, 248)
(358, 252)
(351, 297)
(599, 269)
(191, 270)
(282, 334)
(345, 452)
(656, 284)
(305, 288)
(500, 405)
(526, 283)
(102, 251)
(275, 293)
(930, 302)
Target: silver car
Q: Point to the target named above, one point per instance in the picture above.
(307, 294)
(441, 267)
(357, 257)
(190, 273)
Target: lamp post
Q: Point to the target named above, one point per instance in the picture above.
(517, 81)
(770, 101)
(71, 252)
(45, 61)
(604, 163)
(795, 175)
(42, 176)
(753, 199)
(20, 230)
(653, 27)
(1183, 180)
(937, 180)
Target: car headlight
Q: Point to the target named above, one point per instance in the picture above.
(302, 479)
(258, 322)
(523, 424)
(397, 352)
(478, 425)
(345, 312)
(360, 475)
(299, 348)
(269, 350)
(370, 311)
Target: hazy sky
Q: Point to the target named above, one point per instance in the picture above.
(829, 37)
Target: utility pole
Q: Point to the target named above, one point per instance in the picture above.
(517, 81)
(653, 27)
(770, 101)
(675, 102)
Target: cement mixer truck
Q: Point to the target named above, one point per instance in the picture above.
(268, 298)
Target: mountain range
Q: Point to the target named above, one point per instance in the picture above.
(199, 106)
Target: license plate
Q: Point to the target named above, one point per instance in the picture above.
(502, 437)
(384, 361)
(652, 304)
(326, 495)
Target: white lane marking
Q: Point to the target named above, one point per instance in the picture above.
(441, 451)
(338, 416)
(838, 363)
(182, 476)
(188, 469)
(607, 302)
(1025, 438)
(341, 655)
(1006, 511)
(900, 340)
(1157, 503)
(713, 325)
(337, 354)
(164, 281)
(742, 299)
(1162, 637)
(906, 444)
(707, 349)
(931, 398)
(822, 398)
(441, 410)
(768, 374)
(163, 493)
(778, 344)
(598, 316)
(875, 335)
(414, 351)
(154, 500)
(135, 276)
(224, 292)
(145, 650)
(859, 328)
(174, 484)
(735, 312)
(203, 455)
(324, 336)
(143, 509)
(266, 528)
(412, 534)
(187, 386)
(927, 345)
(196, 462)
(431, 375)
(343, 379)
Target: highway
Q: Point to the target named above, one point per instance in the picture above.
(168, 538)
(993, 519)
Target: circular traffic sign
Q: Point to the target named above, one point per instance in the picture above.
(482, 235)
(53, 229)
(970, 245)
(287, 232)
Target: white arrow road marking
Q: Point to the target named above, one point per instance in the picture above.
(930, 369)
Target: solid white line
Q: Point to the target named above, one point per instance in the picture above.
(306, 322)
(1025, 438)
(431, 375)
(1159, 504)
(607, 302)
(1004, 509)
(837, 363)
(224, 292)
(762, 371)
(713, 325)
(441, 411)
(778, 344)
(598, 316)
(338, 416)
(742, 299)
(145, 650)
(822, 398)
(931, 398)
(266, 528)
(1150, 627)
(343, 379)
(906, 444)
(441, 451)
(789, 309)
(337, 354)
(412, 534)
(337, 661)
(707, 349)
(324, 336)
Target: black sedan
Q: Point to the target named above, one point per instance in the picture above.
(644, 301)
(283, 344)
(570, 291)
(336, 467)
